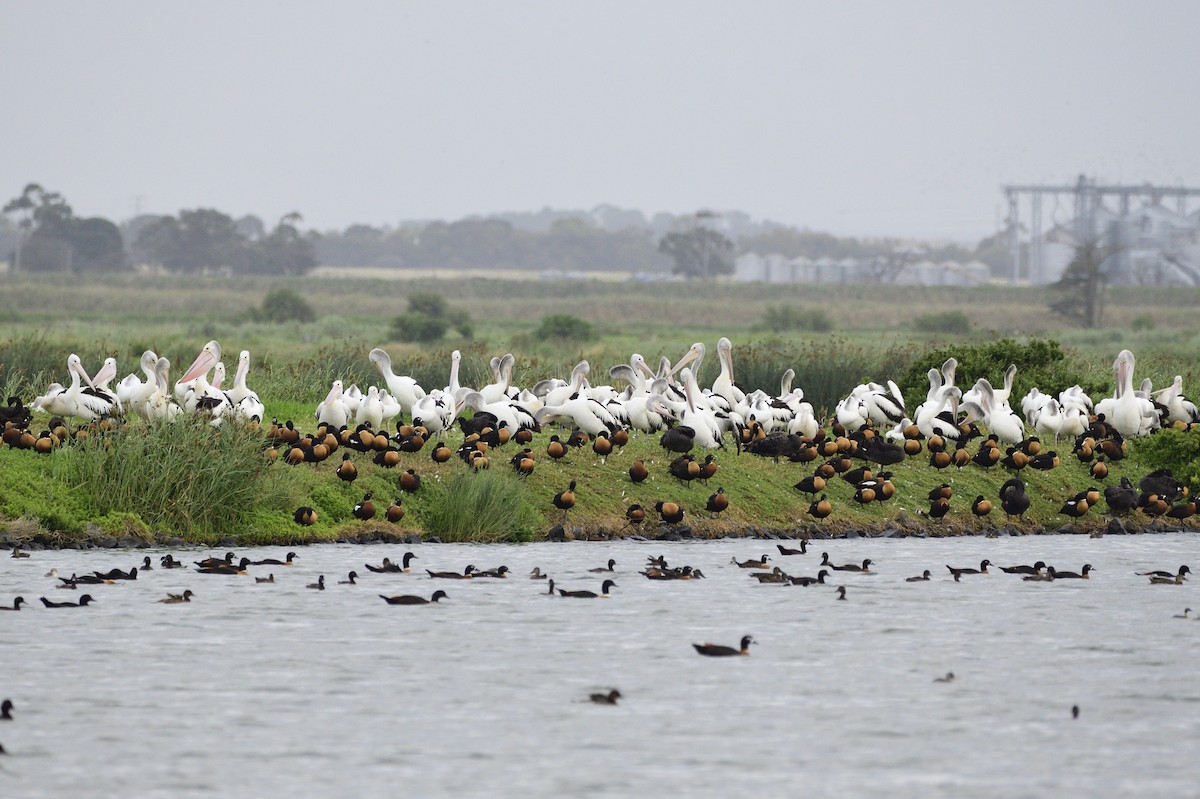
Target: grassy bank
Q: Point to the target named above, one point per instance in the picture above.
(187, 483)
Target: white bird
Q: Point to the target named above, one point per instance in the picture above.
(1000, 419)
(79, 403)
(370, 410)
(244, 403)
(1179, 408)
(332, 411)
(132, 391)
(999, 395)
(160, 405)
(585, 413)
(403, 388)
(1124, 410)
(435, 411)
(210, 353)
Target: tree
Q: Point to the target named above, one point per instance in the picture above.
(1083, 283)
(199, 240)
(284, 252)
(428, 318)
(699, 251)
(53, 239)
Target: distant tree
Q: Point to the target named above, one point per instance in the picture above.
(699, 251)
(286, 305)
(198, 240)
(1084, 282)
(284, 252)
(53, 239)
(428, 318)
(564, 327)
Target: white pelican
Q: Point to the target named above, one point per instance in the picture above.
(1000, 419)
(694, 413)
(391, 407)
(552, 394)
(159, 404)
(132, 391)
(370, 410)
(206, 396)
(927, 412)
(243, 402)
(453, 385)
(502, 369)
(1124, 410)
(434, 411)
(332, 411)
(98, 384)
(723, 385)
(405, 390)
(1179, 408)
(585, 413)
(79, 403)
(205, 361)
(515, 416)
(999, 395)
(51, 402)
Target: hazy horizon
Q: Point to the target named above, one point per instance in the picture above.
(865, 119)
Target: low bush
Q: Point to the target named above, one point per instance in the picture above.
(485, 507)
(285, 305)
(564, 327)
(955, 322)
(787, 318)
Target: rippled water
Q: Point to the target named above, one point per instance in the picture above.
(255, 690)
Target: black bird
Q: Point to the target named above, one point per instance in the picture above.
(6, 708)
(291, 557)
(803, 550)
(680, 438)
(1013, 499)
(1121, 498)
(983, 564)
(16, 604)
(717, 650)
(589, 594)
(409, 599)
(717, 502)
(83, 601)
(1082, 574)
(608, 568)
(807, 581)
(1022, 569)
(365, 510)
(609, 698)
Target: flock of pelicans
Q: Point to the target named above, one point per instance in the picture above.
(873, 423)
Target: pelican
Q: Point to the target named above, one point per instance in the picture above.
(723, 385)
(159, 404)
(434, 412)
(332, 411)
(370, 410)
(76, 402)
(243, 402)
(51, 402)
(999, 395)
(133, 392)
(98, 385)
(453, 385)
(587, 414)
(1124, 410)
(552, 394)
(391, 407)
(1179, 408)
(927, 412)
(403, 388)
(999, 418)
(205, 361)
(516, 416)
(206, 396)
(502, 369)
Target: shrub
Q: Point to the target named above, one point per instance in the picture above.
(786, 318)
(1143, 322)
(944, 322)
(285, 305)
(429, 304)
(564, 327)
(419, 327)
(486, 506)
(1040, 362)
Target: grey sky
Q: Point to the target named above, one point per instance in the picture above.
(871, 118)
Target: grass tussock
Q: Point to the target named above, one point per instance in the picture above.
(482, 507)
(185, 478)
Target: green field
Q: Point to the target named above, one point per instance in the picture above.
(873, 337)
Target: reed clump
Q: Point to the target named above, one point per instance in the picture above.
(185, 478)
(482, 507)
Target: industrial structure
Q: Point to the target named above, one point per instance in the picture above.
(1151, 244)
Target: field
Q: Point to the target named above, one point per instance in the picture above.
(873, 337)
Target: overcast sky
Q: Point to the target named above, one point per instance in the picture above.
(869, 118)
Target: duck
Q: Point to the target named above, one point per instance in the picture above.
(761, 563)
(226, 568)
(410, 481)
(1186, 613)
(411, 599)
(268, 579)
(1171, 575)
(305, 516)
(841, 592)
(175, 599)
(803, 550)
(1013, 499)
(948, 677)
(319, 585)
(635, 514)
(83, 602)
(1023, 569)
(776, 575)
(669, 512)
(350, 579)
(853, 567)
(536, 574)
(16, 604)
(983, 564)
(500, 573)
(609, 698)
(638, 471)
(1082, 574)
(6, 709)
(365, 510)
(923, 578)
(589, 594)
(290, 561)
(168, 561)
(1176, 580)
(466, 574)
(717, 502)
(718, 650)
(565, 500)
(820, 508)
(805, 582)
(608, 568)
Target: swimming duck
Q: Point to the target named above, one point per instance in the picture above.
(1159, 573)
(853, 567)
(949, 677)
(536, 574)
(500, 572)
(175, 599)
(17, 553)
(1184, 615)
(226, 568)
(841, 592)
(807, 581)
(1022, 569)
(1081, 575)
(1176, 580)
(751, 564)
(146, 567)
(609, 698)
(983, 564)
(268, 579)
(925, 575)
(803, 550)
(466, 575)
(291, 557)
(168, 562)
(6, 709)
(589, 594)
(16, 604)
(83, 602)
(776, 575)
(211, 562)
(350, 578)
(717, 650)
(319, 585)
(410, 599)
(608, 568)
